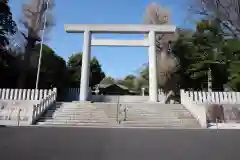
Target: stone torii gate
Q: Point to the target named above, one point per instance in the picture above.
(88, 29)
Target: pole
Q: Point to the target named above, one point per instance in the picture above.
(41, 48)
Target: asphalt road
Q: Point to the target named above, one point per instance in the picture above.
(117, 144)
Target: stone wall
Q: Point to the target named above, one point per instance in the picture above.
(232, 113)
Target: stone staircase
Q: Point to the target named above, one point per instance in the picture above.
(76, 114)
(105, 115)
(159, 115)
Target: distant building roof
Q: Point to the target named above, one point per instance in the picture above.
(108, 85)
(107, 80)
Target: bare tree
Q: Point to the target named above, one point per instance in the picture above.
(227, 11)
(36, 16)
(166, 63)
(156, 14)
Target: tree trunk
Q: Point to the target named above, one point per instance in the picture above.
(209, 80)
(25, 64)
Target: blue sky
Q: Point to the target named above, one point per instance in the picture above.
(116, 61)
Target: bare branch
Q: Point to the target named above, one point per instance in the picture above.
(227, 11)
(156, 14)
(167, 64)
(33, 16)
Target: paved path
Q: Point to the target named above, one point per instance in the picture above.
(35, 143)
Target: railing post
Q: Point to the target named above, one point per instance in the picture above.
(31, 115)
(118, 105)
(18, 117)
(125, 112)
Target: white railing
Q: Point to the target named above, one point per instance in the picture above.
(200, 97)
(23, 94)
(198, 111)
(42, 106)
(196, 102)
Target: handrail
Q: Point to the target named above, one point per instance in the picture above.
(42, 106)
(117, 118)
(125, 113)
(120, 111)
(18, 117)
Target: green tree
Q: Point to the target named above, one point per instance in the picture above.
(96, 73)
(183, 49)
(52, 66)
(129, 81)
(208, 61)
(53, 71)
(7, 24)
(74, 67)
(232, 50)
(8, 27)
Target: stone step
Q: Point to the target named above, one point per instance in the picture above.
(154, 121)
(93, 111)
(114, 115)
(122, 124)
(75, 121)
(152, 118)
(130, 114)
(79, 125)
(74, 118)
(79, 109)
(138, 117)
(161, 113)
(83, 116)
(129, 109)
(74, 124)
(158, 111)
(154, 107)
(75, 111)
(72, 112)
(75, 114)
(160, 122)
(157, 116)
(119, 126)
(168, 126)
